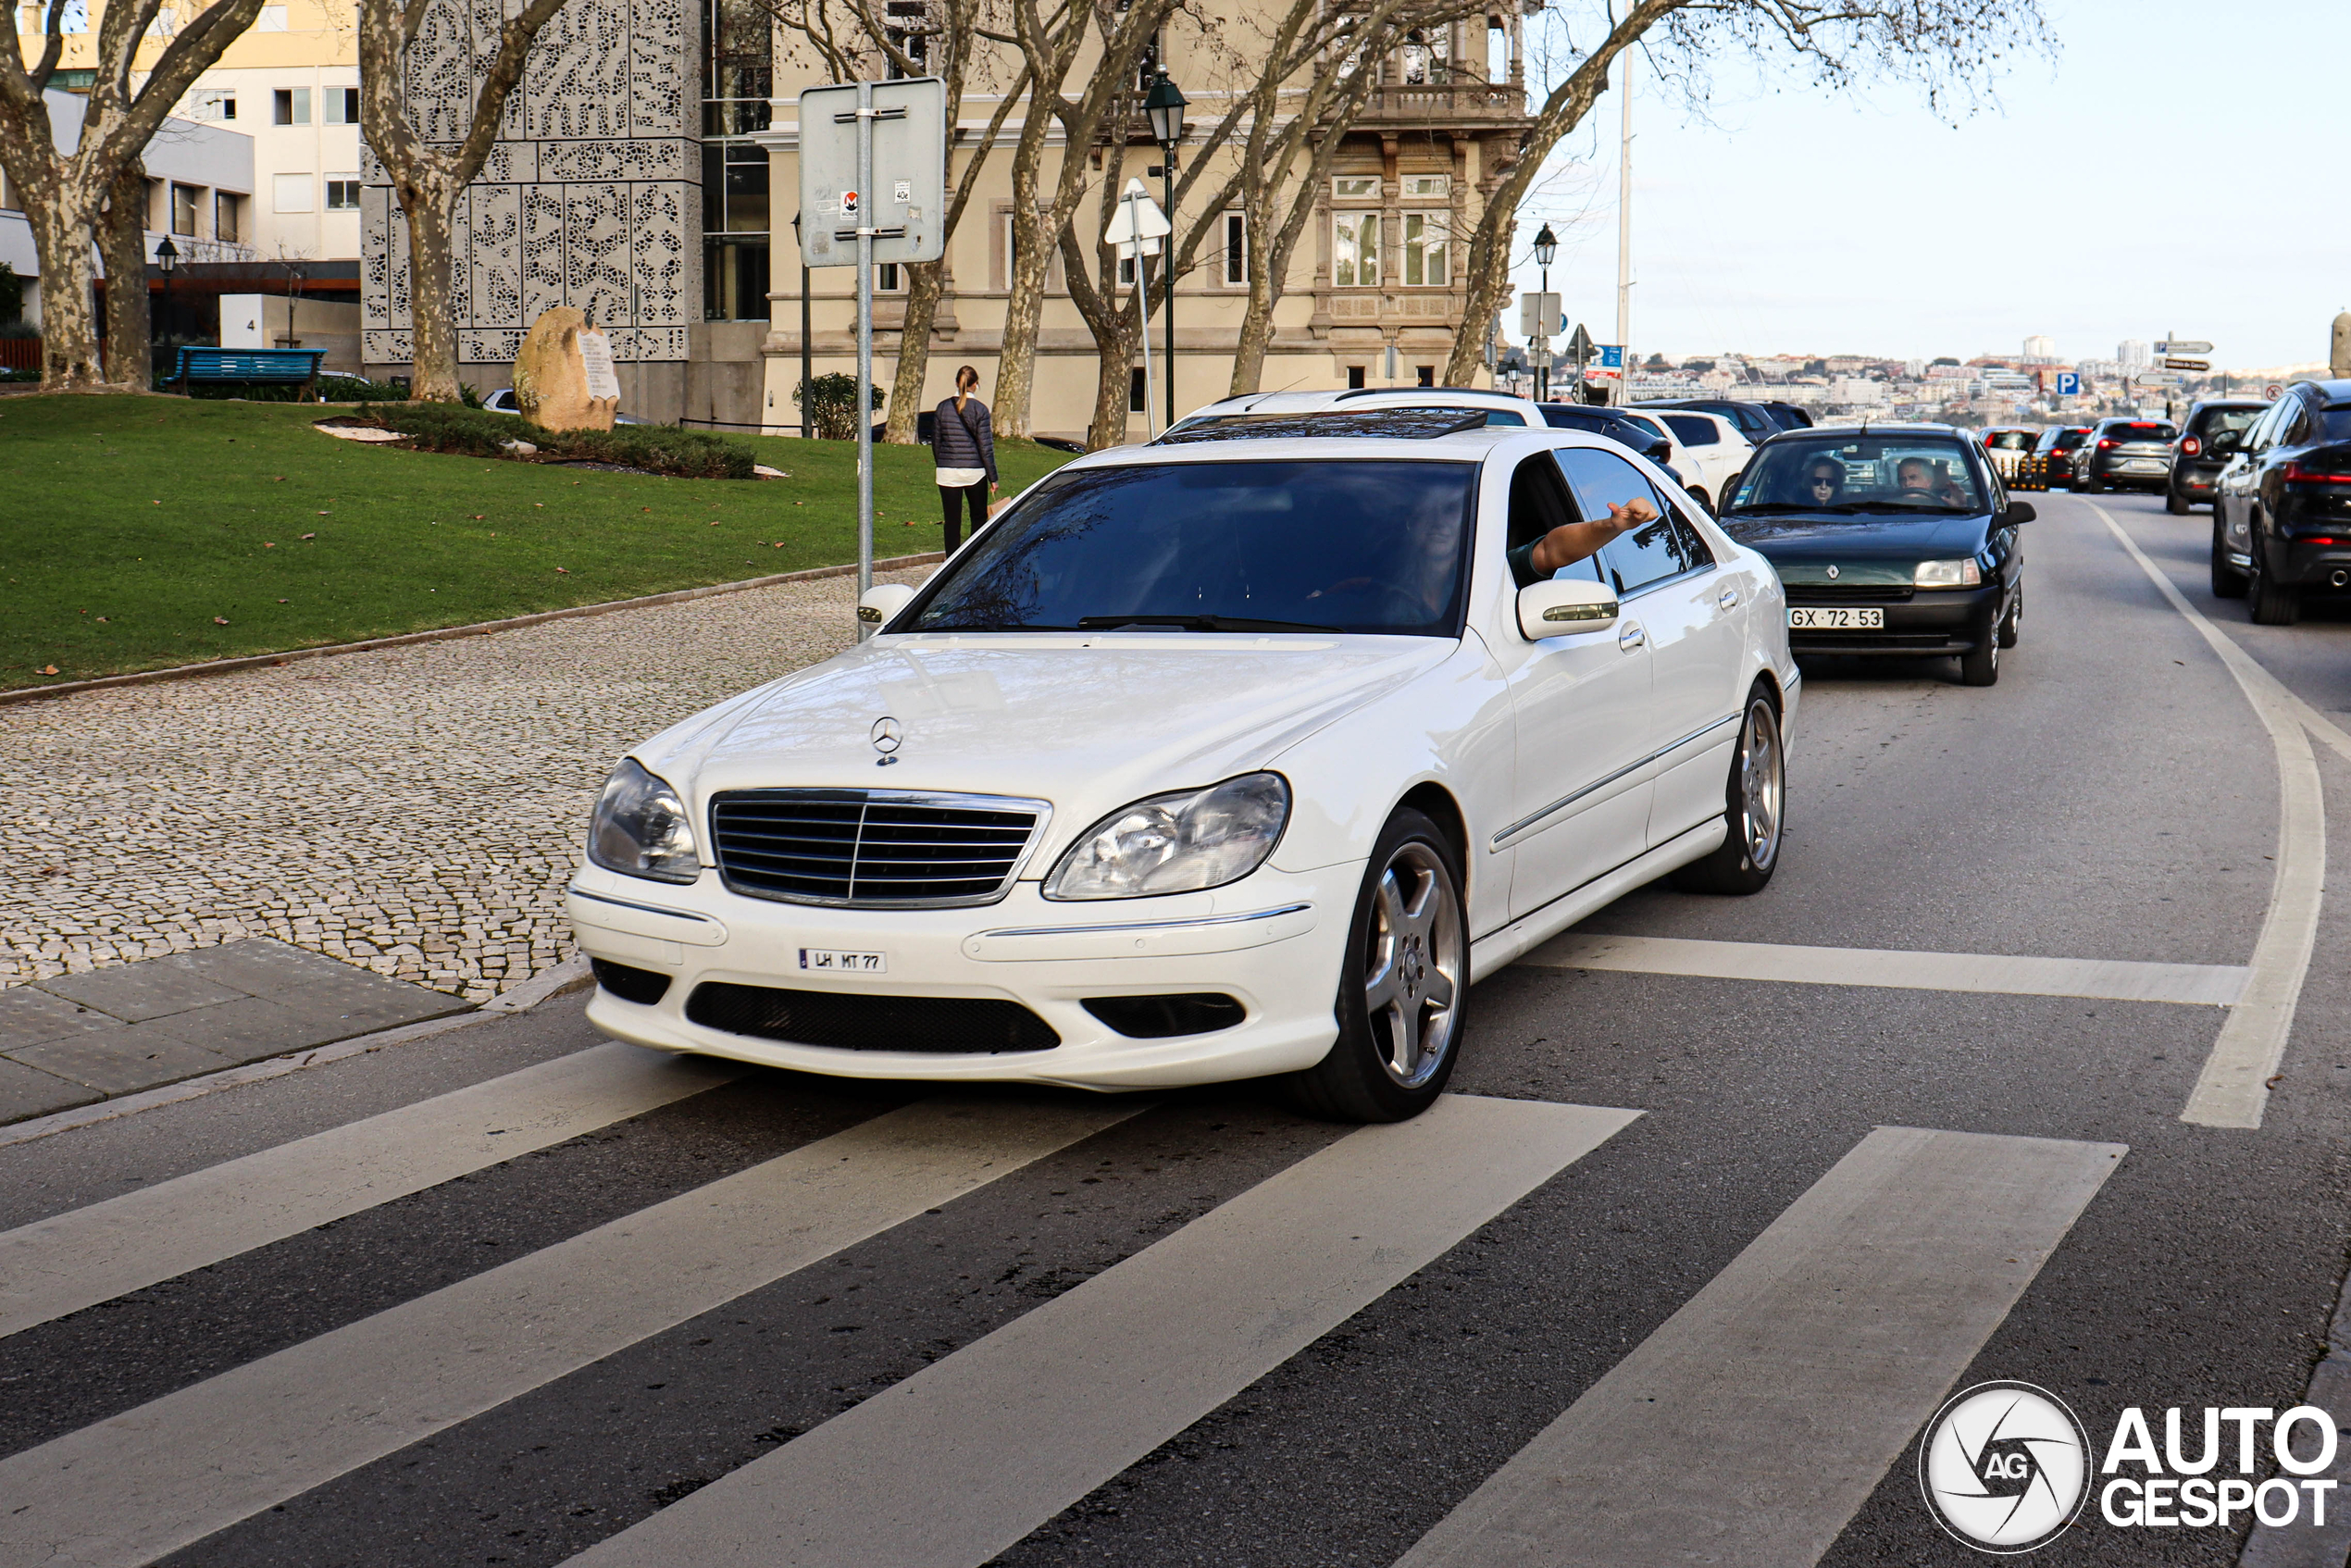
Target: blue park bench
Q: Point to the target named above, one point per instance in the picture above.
(279, 366)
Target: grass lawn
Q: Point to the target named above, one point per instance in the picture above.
(132, 527)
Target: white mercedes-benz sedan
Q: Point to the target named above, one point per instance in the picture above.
(1236, 755)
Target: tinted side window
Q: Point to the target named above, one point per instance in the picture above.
(1540, 503)
(1693, 430)
(1632, 561)
(1504, 417)
(1690, 543)
(2293, 426)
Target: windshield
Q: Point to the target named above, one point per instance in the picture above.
(2009, 441)
(2064, 441)
(1865, 474)
(2216, 421)
(1329, 545)
(2334, 424)
(2136, 429)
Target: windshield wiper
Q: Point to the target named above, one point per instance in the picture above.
(975, 625)
(1765, 506)
(1195, 623)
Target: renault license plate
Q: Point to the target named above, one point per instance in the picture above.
(1841, 618)
(836, 961)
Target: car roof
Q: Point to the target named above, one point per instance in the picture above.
(1872, 428)
(1362, 397)
(1460, 447)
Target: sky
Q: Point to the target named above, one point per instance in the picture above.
(2172, 170)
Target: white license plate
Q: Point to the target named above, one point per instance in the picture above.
(1841, 619)
(837, 961)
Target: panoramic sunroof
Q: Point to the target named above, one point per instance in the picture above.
(1395, 424)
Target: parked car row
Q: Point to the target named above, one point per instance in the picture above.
(2281, 499)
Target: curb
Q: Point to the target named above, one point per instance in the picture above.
(443, 634)
(564, 978)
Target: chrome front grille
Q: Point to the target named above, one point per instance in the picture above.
(873, 848)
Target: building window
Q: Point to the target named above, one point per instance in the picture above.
(343, 193)
(1426, 373)
(293, 192)
(1420, 185)
(1424, 250)
(183, 209)
(738, 67)
(1355, 249)
(1138, 393)
(1355, 378)
(1426, 57)
(736, 224)
(909, 29)
(1126, 272)
(292, 107)
(224, 218)
(887, 278)
(1355, 188)
(342, 106)
(215, 103)
(1236, 248)
(272, 19)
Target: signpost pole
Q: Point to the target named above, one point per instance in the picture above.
(864, 347)
(1143, 313)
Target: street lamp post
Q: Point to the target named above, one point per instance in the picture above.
(1164, 104)
(1547, 245)
(166, 257)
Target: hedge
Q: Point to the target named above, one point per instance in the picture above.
(474, 433)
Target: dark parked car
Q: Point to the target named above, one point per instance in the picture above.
(2282, 507)
(1615, 426)
(1790, 416)
(2124, 452)
(2051, 463)
(1895, 540)
(1756, 422)
(2195, 464)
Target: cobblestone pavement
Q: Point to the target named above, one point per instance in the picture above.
(413, 810)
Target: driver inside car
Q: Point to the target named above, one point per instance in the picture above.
(1915, 477)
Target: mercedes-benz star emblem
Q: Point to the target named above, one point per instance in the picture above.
(1832, 574)
(888, 736)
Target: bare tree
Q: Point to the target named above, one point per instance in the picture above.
(65, 193)
(1950, 47)
(1051, 43)
(429, 179)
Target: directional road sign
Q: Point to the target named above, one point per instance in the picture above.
(907, 205)
(2187, 365)
(2069, 383)
(1611, 356)
(2183, 345)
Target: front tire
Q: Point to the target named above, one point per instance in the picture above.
(2227, 582)
(2011, 627)
(1403, 989)
(1982, 667)
(1754, 808)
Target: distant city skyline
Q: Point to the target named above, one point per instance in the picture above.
(1803, 222)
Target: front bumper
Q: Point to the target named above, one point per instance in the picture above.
(1273, 941)
(1936, 623)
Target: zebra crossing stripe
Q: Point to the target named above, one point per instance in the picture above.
(136, 1487)
(1753, 1424)
(77, 1260)
(959, 1462)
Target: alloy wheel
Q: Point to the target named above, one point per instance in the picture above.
(1762, 784)
(1414, 966)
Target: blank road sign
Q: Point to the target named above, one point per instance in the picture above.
(1539, 315)
(907, 205)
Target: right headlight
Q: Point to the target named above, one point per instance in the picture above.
(640, 828)
(1949, 574)
(1177, 843)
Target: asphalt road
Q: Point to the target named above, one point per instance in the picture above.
(1762, 1291)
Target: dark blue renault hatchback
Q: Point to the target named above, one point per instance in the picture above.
(1892, 540)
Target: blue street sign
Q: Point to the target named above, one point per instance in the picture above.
(2069, 383)
(1611, 356)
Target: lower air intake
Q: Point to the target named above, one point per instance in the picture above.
(1163, 1018)
(642, 986)
(945, 1026)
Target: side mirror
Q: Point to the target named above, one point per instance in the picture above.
(2018, 512)
(883, 600)
(1560, 606)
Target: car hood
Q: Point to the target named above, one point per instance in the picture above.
(1866, 548)
(1087, 720)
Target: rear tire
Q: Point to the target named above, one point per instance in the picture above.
(2274, 603)
(1404, 987)
(2227, 582)
(1754, 807)
(1705, 503)
(2089, 485)
(2177, 504)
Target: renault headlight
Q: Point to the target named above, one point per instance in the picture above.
(640, 829)
(1949, 574)
(1177, 843)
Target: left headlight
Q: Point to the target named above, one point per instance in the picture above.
(1177, 843)
(640, 829)
(1949, 574)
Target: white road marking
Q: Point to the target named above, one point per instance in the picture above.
(76, 1260)
(2214, 985)
(144, 1484)
(956, 1463)
(2233, 1088)
(1754, 1422)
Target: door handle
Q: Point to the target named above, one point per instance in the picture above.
(1631, 637)
(1727, 599)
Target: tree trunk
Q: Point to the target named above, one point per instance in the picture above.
(432, 335)
(61, 235)
(1015, 363)
(123, 242)
(1257, 330)
(1114, 350)
(924, 284)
